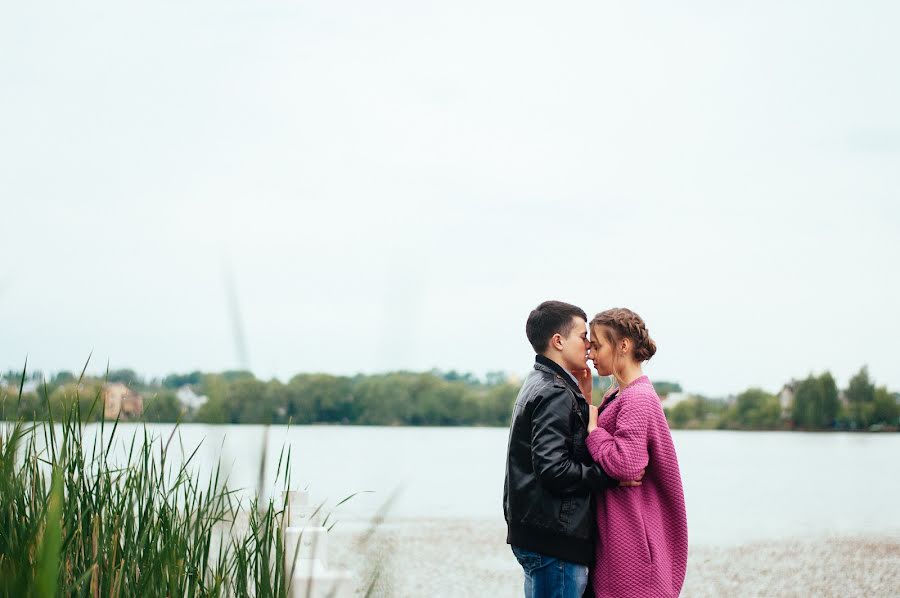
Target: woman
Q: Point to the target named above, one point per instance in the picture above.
(642, 540)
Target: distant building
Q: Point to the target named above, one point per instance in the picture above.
(29, 387)
(786, 397)
(122, 402)
(189, 399)
(673, 398)
(842, 398)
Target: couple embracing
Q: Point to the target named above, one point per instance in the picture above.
(593, 497)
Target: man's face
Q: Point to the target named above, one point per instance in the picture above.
(575, 346)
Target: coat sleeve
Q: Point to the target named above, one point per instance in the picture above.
(551, 458)
(623, 454)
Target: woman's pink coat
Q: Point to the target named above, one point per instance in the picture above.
(642, 539)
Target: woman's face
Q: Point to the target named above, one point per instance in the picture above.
(602, 351)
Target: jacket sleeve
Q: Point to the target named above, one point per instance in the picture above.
(551, 458)
(624, 452)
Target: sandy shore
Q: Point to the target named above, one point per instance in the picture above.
(462, 558)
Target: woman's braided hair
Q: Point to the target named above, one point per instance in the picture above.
(624, 323)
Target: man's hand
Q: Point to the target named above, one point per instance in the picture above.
(585, 382)
(633, 483)
(592, 419)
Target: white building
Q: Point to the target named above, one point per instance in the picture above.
(673, 398)
(786, 396)
(189, 399)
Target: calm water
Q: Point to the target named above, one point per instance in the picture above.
(739, 486)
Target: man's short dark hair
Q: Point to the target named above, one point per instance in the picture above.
(547, 319)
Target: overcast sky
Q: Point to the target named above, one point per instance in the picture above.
(396, 184)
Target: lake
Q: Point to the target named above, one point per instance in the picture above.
(740, 487)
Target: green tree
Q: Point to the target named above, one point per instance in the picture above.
(179, 380)
(885, 409)
(681, 415)
(233, 400)
(664, 388)
(497, 404)
(383, 399)
(454, 376)
(45, 389)
(860, 395)
(831, 404)
(11, 377)
(163, 406)
(29, 407)
(246, 400)
(807, 397)
(697, 412)
(495, 378)
(816, 402)
(126, 376)
(232, 375)
(63, 398)
(757, 409)
(63, 377)
(320, 398)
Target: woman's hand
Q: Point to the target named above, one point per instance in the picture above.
(592, 420)
(633, 483)
(585, 382)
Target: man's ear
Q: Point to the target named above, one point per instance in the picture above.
(556, 341)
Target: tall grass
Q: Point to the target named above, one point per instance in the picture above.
(74, 522)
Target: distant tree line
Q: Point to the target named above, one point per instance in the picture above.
(814, 403)
(434, 398)
(232, 397)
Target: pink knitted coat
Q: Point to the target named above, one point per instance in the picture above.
(642, 539)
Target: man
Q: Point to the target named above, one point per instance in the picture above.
(550, 476)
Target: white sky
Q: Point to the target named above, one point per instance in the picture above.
(398, 183)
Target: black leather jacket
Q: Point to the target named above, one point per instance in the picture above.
(550, 476)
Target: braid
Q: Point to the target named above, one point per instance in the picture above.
(626, 324)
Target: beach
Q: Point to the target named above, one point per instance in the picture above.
(450, 558)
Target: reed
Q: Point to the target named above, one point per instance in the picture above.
(75, 521)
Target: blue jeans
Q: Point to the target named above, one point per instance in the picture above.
(549, 577)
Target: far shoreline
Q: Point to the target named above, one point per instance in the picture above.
(884, 430)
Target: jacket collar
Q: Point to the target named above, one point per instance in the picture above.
(555, 368)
